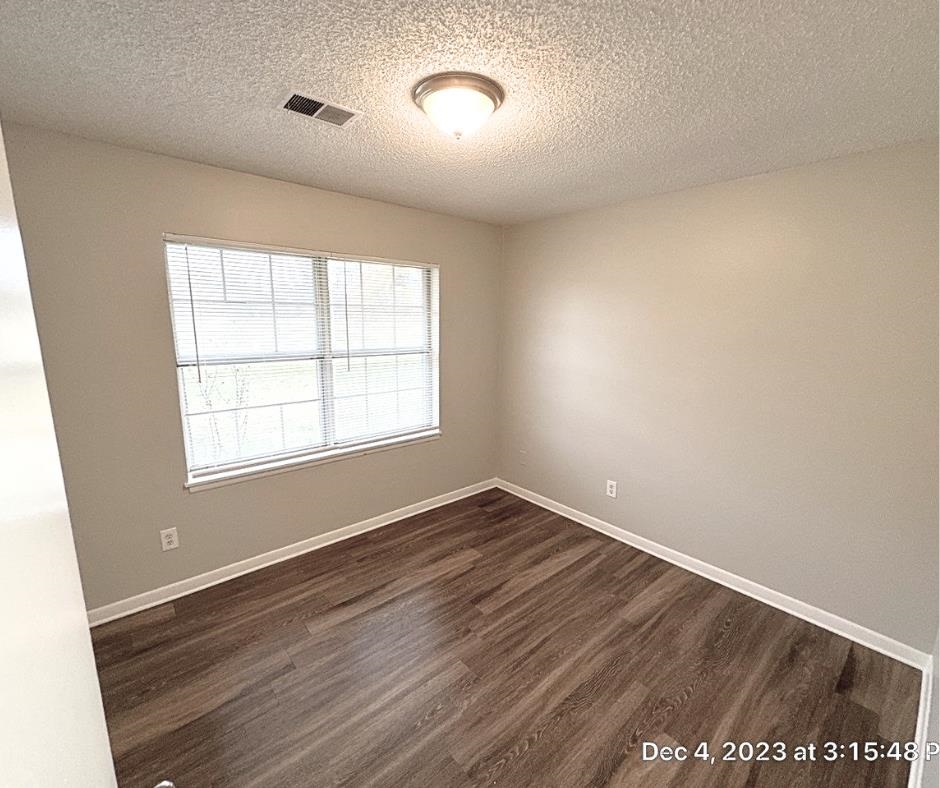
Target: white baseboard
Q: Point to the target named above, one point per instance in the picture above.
(158, 596)
(814, 615)
(823, 618)
(916, 776)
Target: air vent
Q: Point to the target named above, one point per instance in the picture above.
(321, 110)
(335, 115)
(303, 105)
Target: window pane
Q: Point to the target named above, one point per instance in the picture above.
(230, 386)
(378, 395)
(409, 290)
(247, 325)
(196, 267)
(383, 413)
(241, 435)
(348, 377)
(345, 305)
(296, 330)
(293, 278)
(413, 409)
(213, 439)
(302, 426)
(412, 371)
(378, 327)
(381, 374)
(260, 432)
(184, 331)
(411, 328)
(244, 303)
(378, 306)
(350, 418)
(377, 284)
(226, 329)
(346, 327)
(237, 412)
(247, 276)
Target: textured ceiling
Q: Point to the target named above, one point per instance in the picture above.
(604, 100)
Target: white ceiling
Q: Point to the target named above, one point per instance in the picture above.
(604, 100)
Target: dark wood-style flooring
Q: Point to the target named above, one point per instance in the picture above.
(487, 642)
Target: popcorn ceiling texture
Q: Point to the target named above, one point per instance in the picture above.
(604, 100)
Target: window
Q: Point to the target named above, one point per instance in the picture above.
(284, 357)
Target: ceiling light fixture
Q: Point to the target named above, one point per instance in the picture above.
(458, 102)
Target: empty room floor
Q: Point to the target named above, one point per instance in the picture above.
(486, 642)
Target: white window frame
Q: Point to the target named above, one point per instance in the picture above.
(249, 469)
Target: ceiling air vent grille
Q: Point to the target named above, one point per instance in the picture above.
(314, 108)
(335, 115)
(303, 105)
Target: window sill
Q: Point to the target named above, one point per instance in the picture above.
(222, 478)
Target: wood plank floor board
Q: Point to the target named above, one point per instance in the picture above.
(486, 642)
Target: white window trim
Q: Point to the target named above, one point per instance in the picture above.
(207, 480)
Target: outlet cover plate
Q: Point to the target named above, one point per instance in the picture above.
(169, 539)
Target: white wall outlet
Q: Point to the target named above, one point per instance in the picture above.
(611, 489)
(169, 539)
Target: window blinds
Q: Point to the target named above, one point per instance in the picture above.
(284, 355)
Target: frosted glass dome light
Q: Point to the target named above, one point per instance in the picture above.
(457, 102)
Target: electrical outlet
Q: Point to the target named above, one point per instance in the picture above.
(169, 539)
(611, 489)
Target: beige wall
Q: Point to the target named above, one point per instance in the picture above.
(92, 216)
(755, 363)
